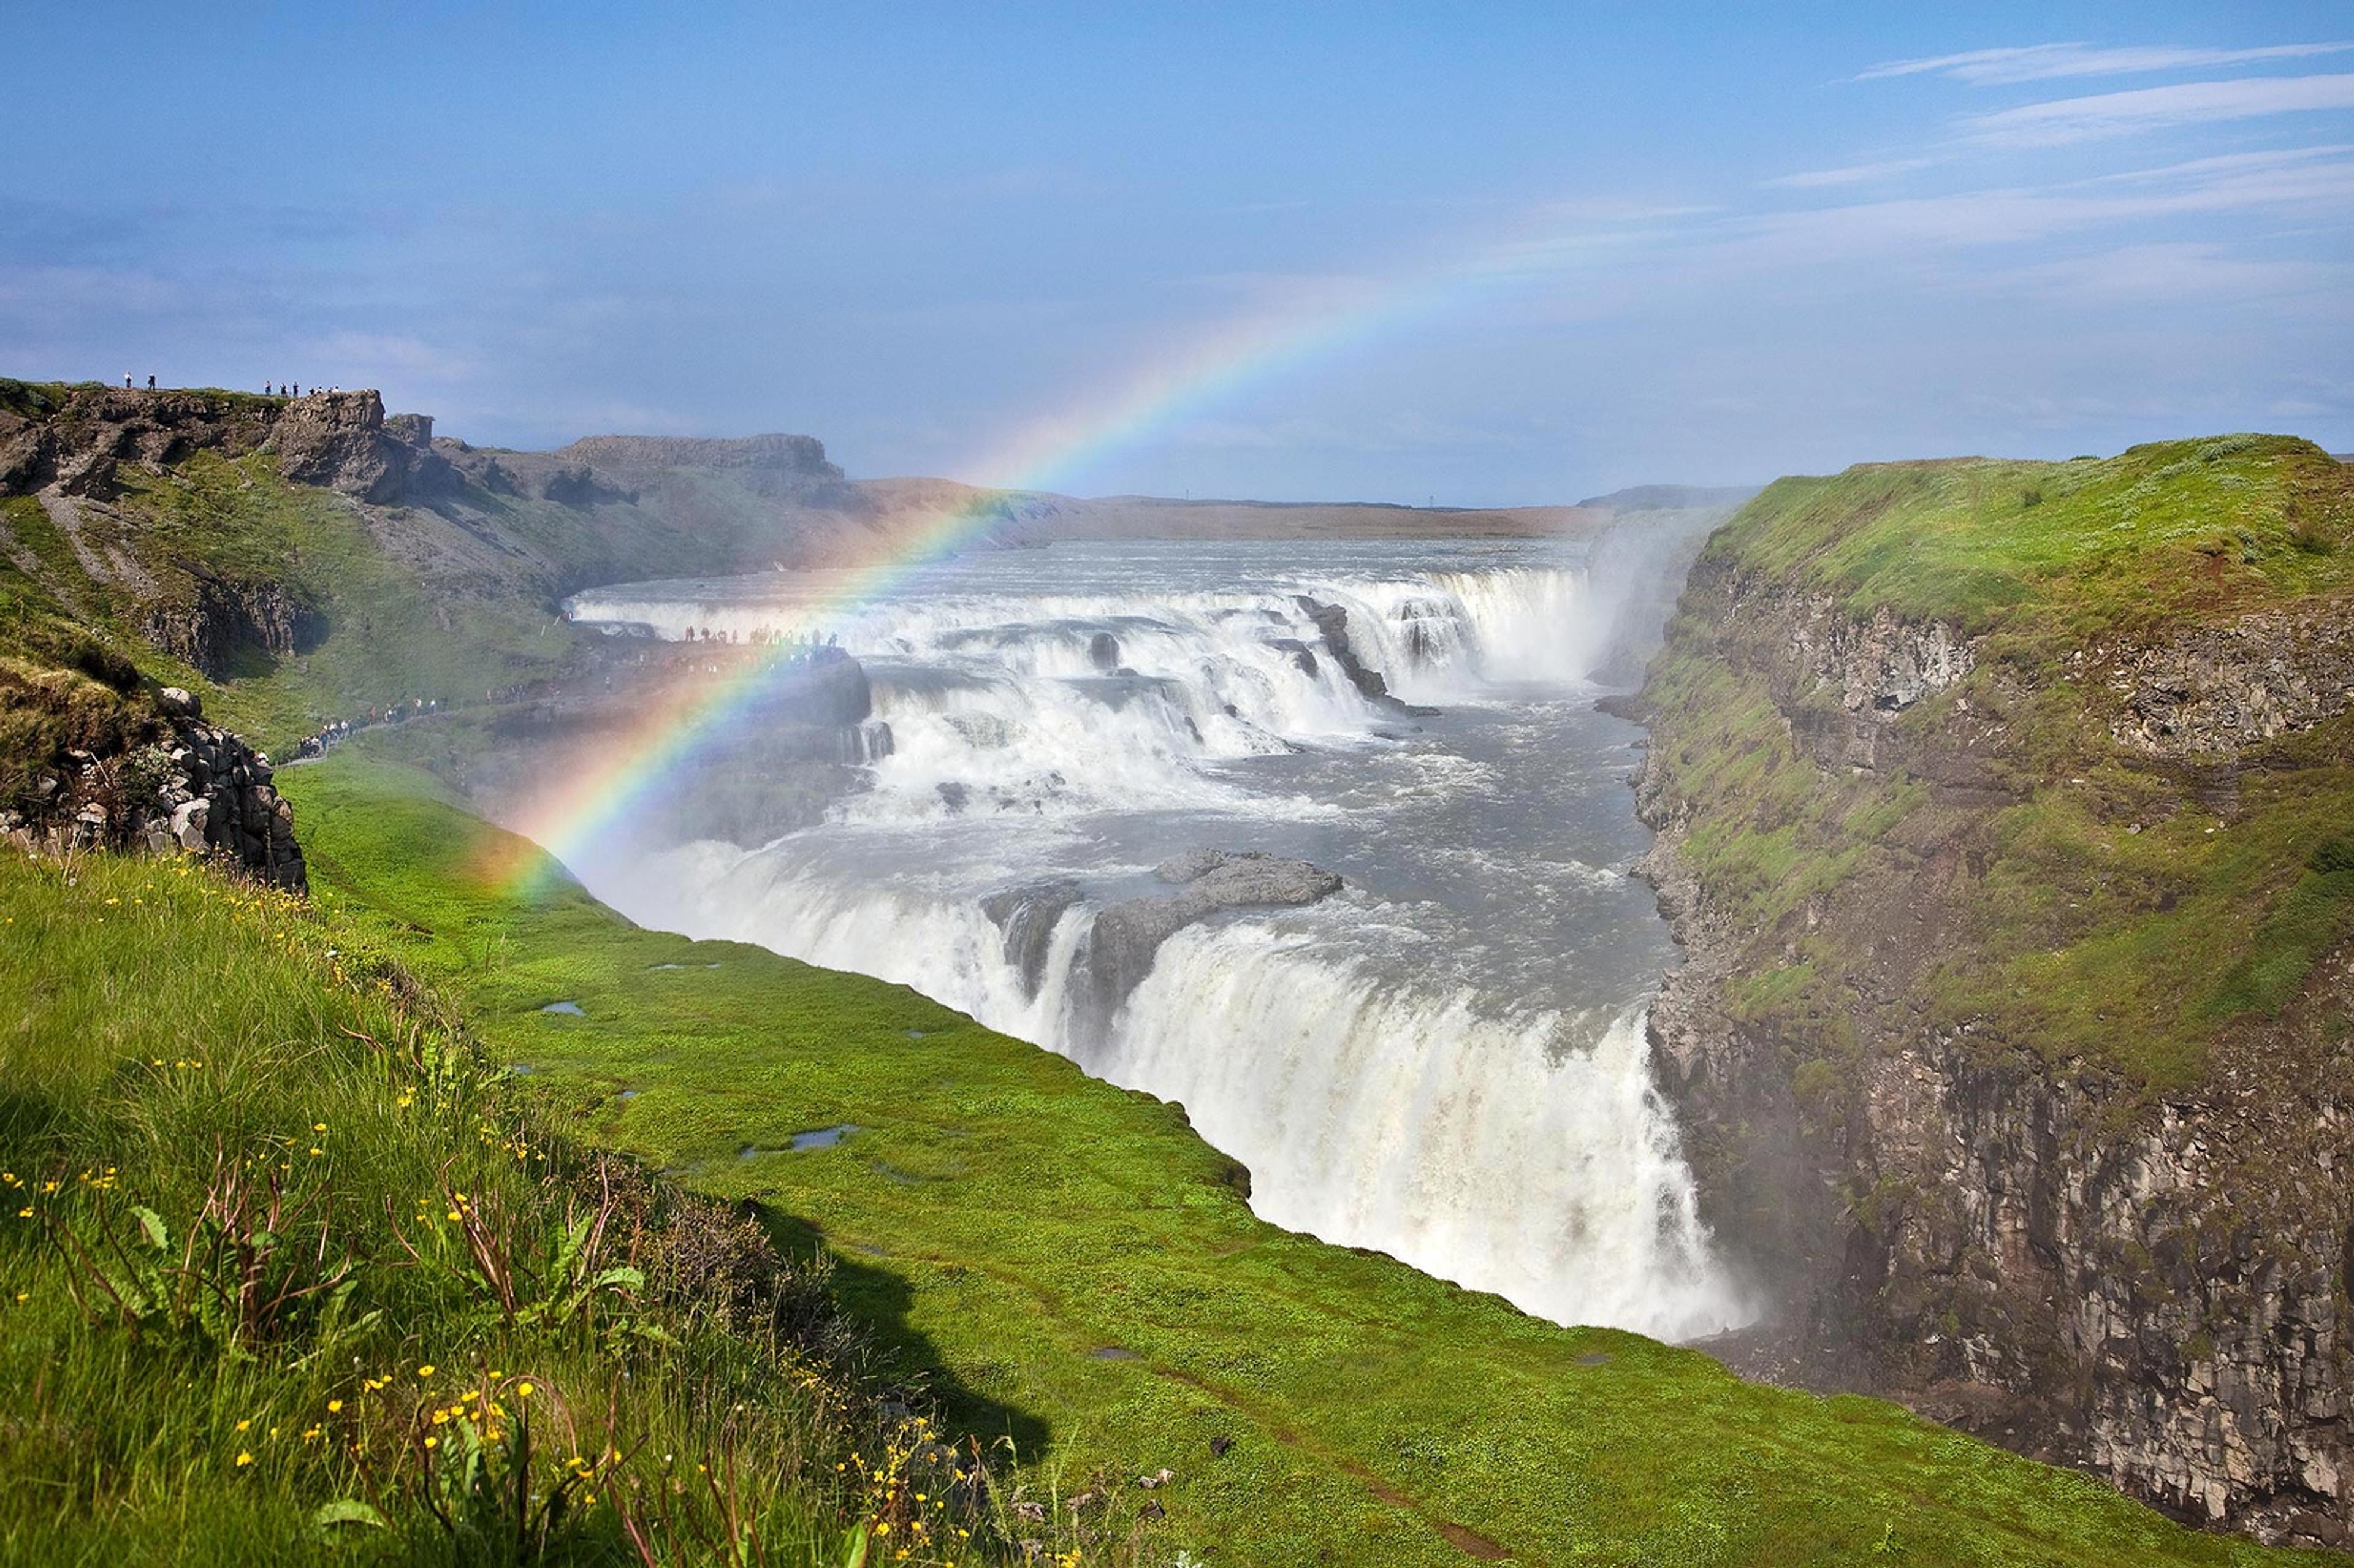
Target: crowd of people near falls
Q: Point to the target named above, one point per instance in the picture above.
(319, 741)
(801, 648)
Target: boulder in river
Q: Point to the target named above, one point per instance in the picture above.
(1125, 937)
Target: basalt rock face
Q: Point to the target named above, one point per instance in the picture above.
(78, 439)
(187, 788)
(206, 631)
(1333, 621)
(800, 455)
(2152, 1285)
(1125, 937)
(343, 442)
(1028, 916)
(678, 470)
(2213, 690)
(79, 444)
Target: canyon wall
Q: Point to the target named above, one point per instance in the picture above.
(1972, 1081)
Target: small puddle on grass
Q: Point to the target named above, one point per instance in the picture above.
(570, 1008)
(822, 1137)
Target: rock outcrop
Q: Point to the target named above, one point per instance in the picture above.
(2210, 691)
(221, 616)
(343, 442)
(1333, 621)
(193, 788)
(76, 438)
(1027, 917)
(79, 444)
(1125, 937)
(804, 455)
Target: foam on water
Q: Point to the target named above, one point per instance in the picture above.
(1445, 1063)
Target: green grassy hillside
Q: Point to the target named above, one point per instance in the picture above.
(2087, 900)
(1085, 1274)
(285, 1273)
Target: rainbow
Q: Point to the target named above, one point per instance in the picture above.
(1310, 322)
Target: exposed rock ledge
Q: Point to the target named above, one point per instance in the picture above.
(1121, 946)
(1333, 622)
(1124, 939)
(196, 790)
(340, 439)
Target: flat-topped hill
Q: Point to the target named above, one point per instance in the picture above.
(1033, 518)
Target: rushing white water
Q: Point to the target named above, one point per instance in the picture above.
(1445, 1062)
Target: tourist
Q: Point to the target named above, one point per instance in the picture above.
(150, 384)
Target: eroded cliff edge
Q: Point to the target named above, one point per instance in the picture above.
(2004, 810)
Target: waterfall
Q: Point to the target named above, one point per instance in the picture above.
(1386, 1089)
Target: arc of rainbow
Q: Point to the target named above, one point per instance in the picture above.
(571, 815)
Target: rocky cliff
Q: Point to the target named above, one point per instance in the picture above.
(77, 437)
(2003, 810)
(177, 785)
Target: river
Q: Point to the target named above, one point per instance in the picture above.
(1446, 1060)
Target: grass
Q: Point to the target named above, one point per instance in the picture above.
(2159, 534)
(1084, 1276)
(384, 634)
(284, 1273)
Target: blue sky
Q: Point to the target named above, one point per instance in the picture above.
(1491, 253)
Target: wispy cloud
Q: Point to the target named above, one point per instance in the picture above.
(2044, 62)
(2156, 108)
(2175, 271)
(2310, 186)
(1852, 174)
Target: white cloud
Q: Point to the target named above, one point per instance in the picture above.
(2154, 108)
(2307, 186)
(2175, 273)
(2043, 62)
(364, 358)
(1852, 174)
